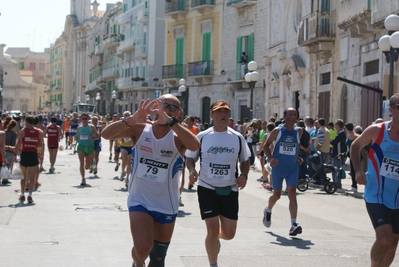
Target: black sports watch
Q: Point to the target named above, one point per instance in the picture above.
(171, 121)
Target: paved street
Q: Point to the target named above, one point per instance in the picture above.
(70, 225)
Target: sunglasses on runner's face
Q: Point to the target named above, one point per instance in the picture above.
(84, 119)
(172, 108)
(397, 106)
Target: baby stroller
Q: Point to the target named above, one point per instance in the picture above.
(321, 169)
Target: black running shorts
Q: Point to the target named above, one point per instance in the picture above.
(381, 215)
(212, 205)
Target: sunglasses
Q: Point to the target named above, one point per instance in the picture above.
(84, 119)
(393, 106)
(172, 108)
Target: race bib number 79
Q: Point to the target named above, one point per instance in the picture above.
(152, 170)
(390, 168)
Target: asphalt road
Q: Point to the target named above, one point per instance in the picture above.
(70, 225)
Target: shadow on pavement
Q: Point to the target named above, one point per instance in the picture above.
(291, 242)
(181, 214)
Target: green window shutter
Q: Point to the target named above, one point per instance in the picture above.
(144, 38)
(206, 46)
(133, 3)
(181, 5)
(143, 72)
(250, 47)
(21, 65)
(109, 85)
(239, 49)
(325, 5)
(179, 57)
(137, 71)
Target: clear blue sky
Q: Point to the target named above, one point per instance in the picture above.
(32, 23)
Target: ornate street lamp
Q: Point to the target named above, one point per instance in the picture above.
(182, 91)
(98, 98)
(113, 96)
(251, 78)
(87, 99)
(389, 45)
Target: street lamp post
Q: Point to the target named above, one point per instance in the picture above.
(389, 45)
(1, 98)
(182, 91)
(251, 78)
(98, 98)
(113, 96)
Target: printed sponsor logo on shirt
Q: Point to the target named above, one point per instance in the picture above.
(146, 148)
(289, 139)
(147, 139)
(169, 218)
(29, 139)
(166, 153)
(154, 163)
(218, 149)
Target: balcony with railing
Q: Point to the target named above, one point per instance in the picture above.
(127, 45)
(203, 5)
(317, 28)
(200, 70)
(142, 16)
(173, 73)
(140, 51)
(240, 3)
(176, 9)
(113, 40)
(111, 73)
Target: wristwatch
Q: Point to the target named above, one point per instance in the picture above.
(171, 121)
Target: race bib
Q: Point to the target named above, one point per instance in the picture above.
(152, 170)
(390, 168)
(73, 130)
(219, 171)
(287, 149)
(84, 137)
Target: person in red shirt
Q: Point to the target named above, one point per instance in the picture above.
(28, 142)
(53, 133)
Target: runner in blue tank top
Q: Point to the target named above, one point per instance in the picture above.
(285, 162)
(381, 192)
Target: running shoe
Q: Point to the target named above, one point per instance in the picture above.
(83, 183)
(352, 189)
(122, 177)
(30, 199)
(91, 169)
(295, 229)
(21, 198)
(95, 170)
(110, 157)
(267, 218)
(181, 204)
(117, 167)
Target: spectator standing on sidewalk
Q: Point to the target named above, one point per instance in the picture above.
(157, 161)
(322, 144)
(351, 136)
(221, 148)
(381, 183)
(338, 146)
(29, 142)
(285, 165)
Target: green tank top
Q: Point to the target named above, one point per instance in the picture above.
(83, 137)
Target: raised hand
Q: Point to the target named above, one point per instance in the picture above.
(140, 116)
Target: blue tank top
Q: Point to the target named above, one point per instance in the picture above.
(286, 149)
(383, 171)
(97, 141)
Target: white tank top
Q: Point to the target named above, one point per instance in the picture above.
(156, 168)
